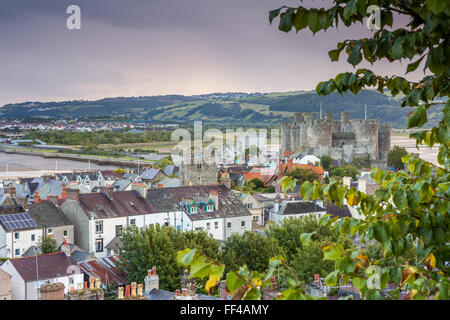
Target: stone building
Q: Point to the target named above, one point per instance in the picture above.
(197, 174)
(342, 140)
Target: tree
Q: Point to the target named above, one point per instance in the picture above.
(257, 183)
(251, 249)
(345, 171)
(288, 233)
(287, 183)
(303, 174)
(394, 157)
(157, 246)
(164, 162)
(326, 162)
(119, 170)
(410, 207)
(48, 245)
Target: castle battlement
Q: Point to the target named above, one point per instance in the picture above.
(328, 135)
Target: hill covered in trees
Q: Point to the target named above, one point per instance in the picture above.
(268, 108)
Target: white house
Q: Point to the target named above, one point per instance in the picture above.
(30, 273)
(307, 159)
(295, 209)
(213, 208)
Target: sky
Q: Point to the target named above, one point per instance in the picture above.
(157, 47)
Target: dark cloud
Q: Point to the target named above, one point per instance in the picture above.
(145, 47)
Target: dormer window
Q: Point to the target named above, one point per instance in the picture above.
(209, 208)
(193, 209)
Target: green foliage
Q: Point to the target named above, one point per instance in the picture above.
(48, 245)
(394, 157)
(344, 171)
(157, 246)
(119, 170)
(257, 183)
(303, 174)
(288, 233)
(95, 138)
(164, 163)
(250, 249)
(326, 162)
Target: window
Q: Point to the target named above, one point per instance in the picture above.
(33, 237)
(118, 231)
(199, 179)
(198, 228)
(99, 245)
(194, 209)
(216, 225)
(50, 231)
(16, 235)
(248, 205)
(229, 225)
(208, 225)
(255, 218)
(99, 226)
(210, 208)
(66, 233)
(243, 223)
(133, 222)
(199, 166)
(17, 252)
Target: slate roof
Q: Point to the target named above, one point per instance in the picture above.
(50, 266)
(47, 215)
(299, 207)
(158, 294)
(121, 204)
(111, 174)
(107, 269)
(149, 174)
(169, 199)
(51, 187)
(114, 244)
(334, 210)
(80, 256)
(170, 182)
(168, 171)
(120, 185)
(11, 209)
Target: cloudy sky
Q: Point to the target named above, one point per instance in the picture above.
(153, 47)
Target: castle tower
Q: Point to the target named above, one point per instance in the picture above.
(384, 140)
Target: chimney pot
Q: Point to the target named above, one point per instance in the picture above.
(177, 292)
(185, 291)
(154, 271)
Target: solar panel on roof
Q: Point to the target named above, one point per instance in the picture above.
(17, 221)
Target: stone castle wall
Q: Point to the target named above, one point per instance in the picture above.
(343, 140)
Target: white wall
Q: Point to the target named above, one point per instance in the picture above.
(278, 217)
(7, 241)
(17, 283)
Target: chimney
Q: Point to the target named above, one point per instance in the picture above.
(53, 198)
(184, 292)
(73, 194)
(108, 190)
(223, 290)
(23, 202)
(63, 193)
(214, 196)
(12, 191)
(140, 188)
(151, 280)
(65, 247)
(37, 199)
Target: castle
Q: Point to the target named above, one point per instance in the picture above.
(342, 140)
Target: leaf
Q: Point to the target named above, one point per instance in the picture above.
(358, 282)
(305, 238)
(234, 282)
(400, 199)
(413, 66)
(185, 257)
(253, 294)
(331, 279)
(395, 274)
(346, 265)
(430, 262)
(331, 252)
(436, 6)
(273, 14)
(313, 21)
(286, 21)
(212, 282)
(352, 197)
(355, 56)
(418, 117)
(300, 19)
(334, 54)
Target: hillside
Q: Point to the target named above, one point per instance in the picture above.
(226, 108)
